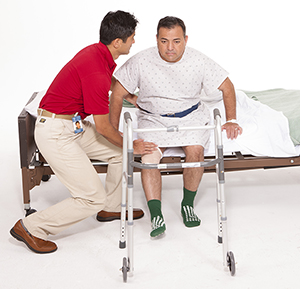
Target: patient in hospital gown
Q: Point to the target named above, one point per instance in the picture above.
(170, 78)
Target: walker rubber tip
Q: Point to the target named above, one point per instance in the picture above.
(122, 245)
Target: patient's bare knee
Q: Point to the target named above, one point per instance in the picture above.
(153, 158)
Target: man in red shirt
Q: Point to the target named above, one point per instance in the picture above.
(68, 142)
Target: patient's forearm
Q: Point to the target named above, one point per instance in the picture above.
(229, 99)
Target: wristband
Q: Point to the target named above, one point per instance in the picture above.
(232, 120)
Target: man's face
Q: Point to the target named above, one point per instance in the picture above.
(171, 43)
(125, 46)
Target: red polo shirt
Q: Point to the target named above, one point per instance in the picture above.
(83, 84)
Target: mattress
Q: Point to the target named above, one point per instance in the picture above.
(266, 131)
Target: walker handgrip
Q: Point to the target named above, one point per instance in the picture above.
(216, 113)
(127, 116)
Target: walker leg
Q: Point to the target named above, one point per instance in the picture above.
(228, 257)
(220, 238)
(128, 262)
(128, 179)
(130, 214)
(122, 242)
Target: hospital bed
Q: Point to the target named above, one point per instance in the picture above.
(270, 139)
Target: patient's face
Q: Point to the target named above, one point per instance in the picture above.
(171, 43)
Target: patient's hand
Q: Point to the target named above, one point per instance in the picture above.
(141, 147)
(232, 130)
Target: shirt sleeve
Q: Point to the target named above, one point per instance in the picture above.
(129, 75)
(214, 76)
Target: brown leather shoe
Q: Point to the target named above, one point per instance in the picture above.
(104, 216)
(35, 244)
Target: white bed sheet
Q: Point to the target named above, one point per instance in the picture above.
(265, 131)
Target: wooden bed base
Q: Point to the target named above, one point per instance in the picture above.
(35, 169)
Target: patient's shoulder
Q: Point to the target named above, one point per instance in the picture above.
(145, 54)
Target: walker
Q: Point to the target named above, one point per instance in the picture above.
(127, 187)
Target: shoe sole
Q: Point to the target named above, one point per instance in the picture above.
(19, 238)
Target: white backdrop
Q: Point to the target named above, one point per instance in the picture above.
(257, 41)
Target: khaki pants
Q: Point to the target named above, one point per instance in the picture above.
(69, 156)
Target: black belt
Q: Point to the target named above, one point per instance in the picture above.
(177, 114)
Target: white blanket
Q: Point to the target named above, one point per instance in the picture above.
(265, 131)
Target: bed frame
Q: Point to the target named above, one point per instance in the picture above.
(35, 168)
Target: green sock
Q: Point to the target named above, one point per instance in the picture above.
(190, 219)
(157, 220)
(188, 197)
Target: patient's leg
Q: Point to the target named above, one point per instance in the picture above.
(192, 176)
(151, 180)
(191, 180)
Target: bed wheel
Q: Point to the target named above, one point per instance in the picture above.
(46, 178)
(231, 263)
(125, 269)
(29, 212)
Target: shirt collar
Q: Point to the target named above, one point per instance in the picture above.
(103, 48)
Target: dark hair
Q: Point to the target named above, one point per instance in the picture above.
(170, 22)
(115, 25)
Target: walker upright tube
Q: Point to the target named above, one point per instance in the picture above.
(122, 243)
(217, 142)
(220, 187)
(130, 196)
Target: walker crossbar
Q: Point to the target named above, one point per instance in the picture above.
(174, 128)
(174, 165)
(127, 185)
